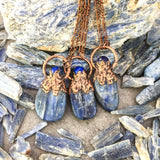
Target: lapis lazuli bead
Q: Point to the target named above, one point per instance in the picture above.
(103, 58)
(83, 105)
(107, 95)
(55, 68)
(77, 69)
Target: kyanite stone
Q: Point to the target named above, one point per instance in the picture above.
(149, 94)
(107, 95)
(35, 129)
(50, 107)
(17, 121)
(153, 70)
(108, 136)
(4, 155)
(144, 60)
(134, 110)
(50, 24)
(135, 82)
(124, 63)
(3, 55)
(1, 134)
(135, 127)
(112, 152)
(154, 34)
(27, 76)
(141, 145)
(10, 87)
(84, 105)
(20, 150)
(63, 146)
(9, 104)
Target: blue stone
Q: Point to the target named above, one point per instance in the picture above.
(103, 58)
(83, 105)
(50, 107)
(55, 68)
(77, 69)
(107, 95)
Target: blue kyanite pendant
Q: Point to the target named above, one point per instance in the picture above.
(50, 101)
(82, 95)
(105, 85)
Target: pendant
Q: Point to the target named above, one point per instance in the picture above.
(82, 94)
(51, 98)
(105, 82)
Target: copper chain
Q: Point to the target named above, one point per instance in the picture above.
(101, 25)
(78, 41)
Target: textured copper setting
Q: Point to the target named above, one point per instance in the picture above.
(54, 82)
(104, 73)
(80, 82)
(105, 47)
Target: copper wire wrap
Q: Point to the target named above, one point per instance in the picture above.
(105, 47)
(67, 72)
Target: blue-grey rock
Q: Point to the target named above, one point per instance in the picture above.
(84, 106)
(152, 147)
(67, 134)
(115, 151)
(1, 135)
(135, 154)
(144, 60)
(124, 63)
(150, 114)
(52, 23)
(142, 148)
(26, 100)
(134, 110)
(134, 126)
(4, 155)
(58, 145)
(149, 94)
(153, 70)
(153, 34)
(3, 110)
(128, 135)
(35, 129)
(7, 123)
(108, 136)
(155, 126)
(107, 95)
(20, 150)
(135, 82)
(9, 104)
(3, 55)
(56, 157)
(50, 107)
(17, 121)
(10, 87)
(27, 76)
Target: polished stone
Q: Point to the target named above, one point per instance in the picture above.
(107, 95)
(50, 107)
(83, 105)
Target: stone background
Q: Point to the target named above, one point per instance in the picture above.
(85, 130)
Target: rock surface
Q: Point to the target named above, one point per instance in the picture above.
(51, 24)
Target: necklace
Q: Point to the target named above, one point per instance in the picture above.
(105, 82)
(51, 98)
